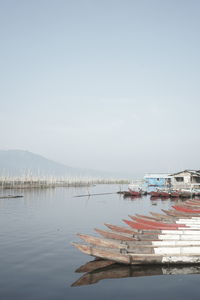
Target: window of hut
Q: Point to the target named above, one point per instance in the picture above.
(179, 179)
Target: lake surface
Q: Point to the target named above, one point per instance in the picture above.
(38, 262)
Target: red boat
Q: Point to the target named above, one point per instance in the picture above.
(143, 226)
(164, 194)
(175, 194)
(185, 209)
(135, 193)
(159, 194)
(157, 224)
(154, 194)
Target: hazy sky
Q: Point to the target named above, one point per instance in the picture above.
(110, 85)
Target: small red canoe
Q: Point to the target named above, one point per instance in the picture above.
(157, 224)
(143, 226)
(154, 194)
(175, 194)
(185, 209)
(135, 193)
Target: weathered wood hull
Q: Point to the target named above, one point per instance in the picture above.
(155, 247)
(120, 229)
(115, 236)
(137, 258)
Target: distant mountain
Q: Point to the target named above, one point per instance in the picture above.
(19, 162)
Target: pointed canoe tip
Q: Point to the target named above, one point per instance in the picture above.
(80, 234)
(126, 221)
(75, 284)
(77, 245)
(130, 216)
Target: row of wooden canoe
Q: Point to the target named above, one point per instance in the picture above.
(170, 238)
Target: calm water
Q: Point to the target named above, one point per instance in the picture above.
(38, 262)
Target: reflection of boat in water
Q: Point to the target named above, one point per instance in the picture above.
(97, 270)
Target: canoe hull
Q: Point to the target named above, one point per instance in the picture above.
(137, 259)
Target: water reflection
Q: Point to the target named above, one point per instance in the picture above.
(98, 270)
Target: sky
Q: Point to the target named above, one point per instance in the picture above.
(109, 85)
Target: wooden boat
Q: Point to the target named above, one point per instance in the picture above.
(126, 231)
(162, 217)
(176, 213)
(135, 193)
(160, 194)
(147, 217)
(115, 236)
(175, 194)
(120, 229)
(143, 226)
(176, 255)
(116, 271)
(142, 246)
(190, 206)
(154, 194)
(164, 194)
(157, 224)
(167, 226)
(173, 238)
(184, 209)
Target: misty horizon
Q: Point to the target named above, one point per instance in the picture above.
(109, 85)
